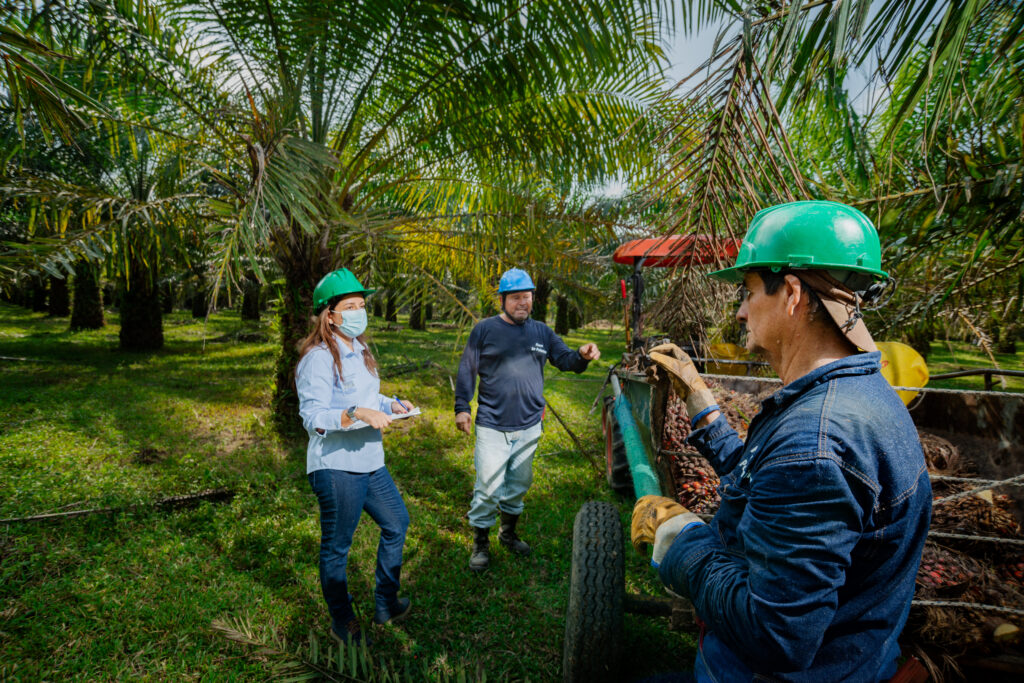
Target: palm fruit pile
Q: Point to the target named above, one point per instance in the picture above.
(964, 570)
(696, 481)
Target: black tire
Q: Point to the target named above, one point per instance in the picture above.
(616, 465)
(597, 584)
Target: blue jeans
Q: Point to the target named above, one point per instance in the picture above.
(504, 472)
(342, 497)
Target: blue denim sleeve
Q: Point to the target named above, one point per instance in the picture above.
(562, 357)
(385, 404)
(465, 382)
(719, 444)
(774, 601)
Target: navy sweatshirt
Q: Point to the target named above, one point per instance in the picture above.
(510, 362)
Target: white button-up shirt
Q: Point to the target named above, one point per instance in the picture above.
(323, 397)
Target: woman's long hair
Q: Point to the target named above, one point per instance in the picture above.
(324, 334)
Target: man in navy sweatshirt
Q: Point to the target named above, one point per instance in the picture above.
(507, 352)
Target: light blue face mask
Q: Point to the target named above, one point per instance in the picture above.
(353, 323)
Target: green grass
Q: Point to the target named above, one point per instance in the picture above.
(952, 356)
(133, 595)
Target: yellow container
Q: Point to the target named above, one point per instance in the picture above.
(723, 351)
(902, 366)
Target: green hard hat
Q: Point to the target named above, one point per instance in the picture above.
(341, 281)
(811, 235)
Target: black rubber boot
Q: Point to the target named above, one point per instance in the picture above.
(481, 557)
(397, 609)
(508, 536)
(350, 633)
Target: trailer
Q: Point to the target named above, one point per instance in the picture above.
(984, 427)
(969, 602)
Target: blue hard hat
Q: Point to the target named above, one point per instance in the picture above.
(515, 280)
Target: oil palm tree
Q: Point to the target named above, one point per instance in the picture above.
(770, 118)
(129, 74)
(426, 126)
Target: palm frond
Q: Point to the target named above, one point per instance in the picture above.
(352, 664)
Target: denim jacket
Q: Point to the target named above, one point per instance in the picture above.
(807, 570)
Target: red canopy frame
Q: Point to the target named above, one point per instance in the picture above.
(677, 250)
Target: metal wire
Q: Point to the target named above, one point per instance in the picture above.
(966, 605)
(967, 537)
(985, 487)
(969, 480)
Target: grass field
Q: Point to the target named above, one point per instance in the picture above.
(952, 356)
(133, 595)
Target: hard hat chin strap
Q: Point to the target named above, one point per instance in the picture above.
(830, 289)
(873, 295)
(852, 320)
(879, 293)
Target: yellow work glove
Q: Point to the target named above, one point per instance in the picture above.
(658, 520)
(685, 379)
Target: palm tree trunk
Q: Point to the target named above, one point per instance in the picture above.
(111, 295)
(562, 315)
(540, 299)
(416, 320)
(303, 260)
(141, 317)
(251, 291)
(60, 305)
(199, 295)
(1007, 339)
(462, 291)
(574, 317)
(167, 297)
(391, 310)
(38, 294)
(87, 306)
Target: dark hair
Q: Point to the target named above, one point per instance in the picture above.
(773, 280)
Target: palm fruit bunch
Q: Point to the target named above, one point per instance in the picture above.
(944, 572)
(1011, 570)
(943, 458)
(985, 515)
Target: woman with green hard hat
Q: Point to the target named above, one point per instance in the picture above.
(806, 571)
(343, 411)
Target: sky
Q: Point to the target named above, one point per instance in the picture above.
(687, 52)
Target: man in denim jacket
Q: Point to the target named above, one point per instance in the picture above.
(807, 570)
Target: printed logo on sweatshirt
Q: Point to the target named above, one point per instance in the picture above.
(539, 348)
